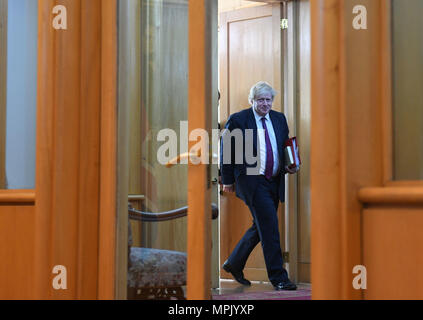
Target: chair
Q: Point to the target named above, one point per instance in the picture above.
(154, 273)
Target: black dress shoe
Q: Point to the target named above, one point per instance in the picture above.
(285, 285)
(238, 275)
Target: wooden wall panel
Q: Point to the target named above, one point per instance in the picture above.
(392, 240)
(17, 232)
(393, 251)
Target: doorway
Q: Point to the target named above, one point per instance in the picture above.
(269, 42)
(153, 88)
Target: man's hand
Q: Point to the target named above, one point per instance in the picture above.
(229, 188)
(293, 170)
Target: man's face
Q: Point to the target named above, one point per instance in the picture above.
(263, 104)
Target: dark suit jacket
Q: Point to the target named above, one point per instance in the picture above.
(245, 185)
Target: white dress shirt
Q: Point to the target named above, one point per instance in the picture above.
(262, 140)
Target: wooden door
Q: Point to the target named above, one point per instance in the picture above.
(75, 189)
(366, 209)
(298, 110)
(168, 82)
(68, 219)
(18, 64)
(250, 51)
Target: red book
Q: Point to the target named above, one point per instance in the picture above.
(292, 153)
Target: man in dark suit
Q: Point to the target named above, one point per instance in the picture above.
(254, 168)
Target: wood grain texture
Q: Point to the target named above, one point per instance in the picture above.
(199, 114)
(17, 196)
(351, 113)
(16, 250)
(393, 246)
(325, 175)
(73, 68)
(406, 194)
(112, 268)
(345, 71)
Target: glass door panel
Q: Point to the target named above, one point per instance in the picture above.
(18, 93)
(153, 90)
(407, 75)
(164, 106)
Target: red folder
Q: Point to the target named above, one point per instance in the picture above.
(292, 153)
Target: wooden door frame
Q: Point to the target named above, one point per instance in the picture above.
(200, 110)
(111, 264)
(290, 87)
(97, 221)
(75, 202)
(348, 93)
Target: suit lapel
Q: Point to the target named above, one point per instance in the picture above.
(278, 132)
(251, 124)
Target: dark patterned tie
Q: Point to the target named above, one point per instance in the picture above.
(268, 172)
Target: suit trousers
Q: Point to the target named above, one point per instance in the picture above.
(265, 230)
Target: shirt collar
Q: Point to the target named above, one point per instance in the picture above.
(258, 117)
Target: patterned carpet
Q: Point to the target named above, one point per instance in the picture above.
(300, 294)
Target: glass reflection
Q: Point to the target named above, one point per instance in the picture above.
(407, 51)
(153, 87)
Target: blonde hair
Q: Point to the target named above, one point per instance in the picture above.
(259, 88)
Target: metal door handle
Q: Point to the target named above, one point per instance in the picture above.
(185, 155)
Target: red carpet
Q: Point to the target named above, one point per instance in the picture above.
(300, 294)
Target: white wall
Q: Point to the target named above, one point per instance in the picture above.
(21, 93)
